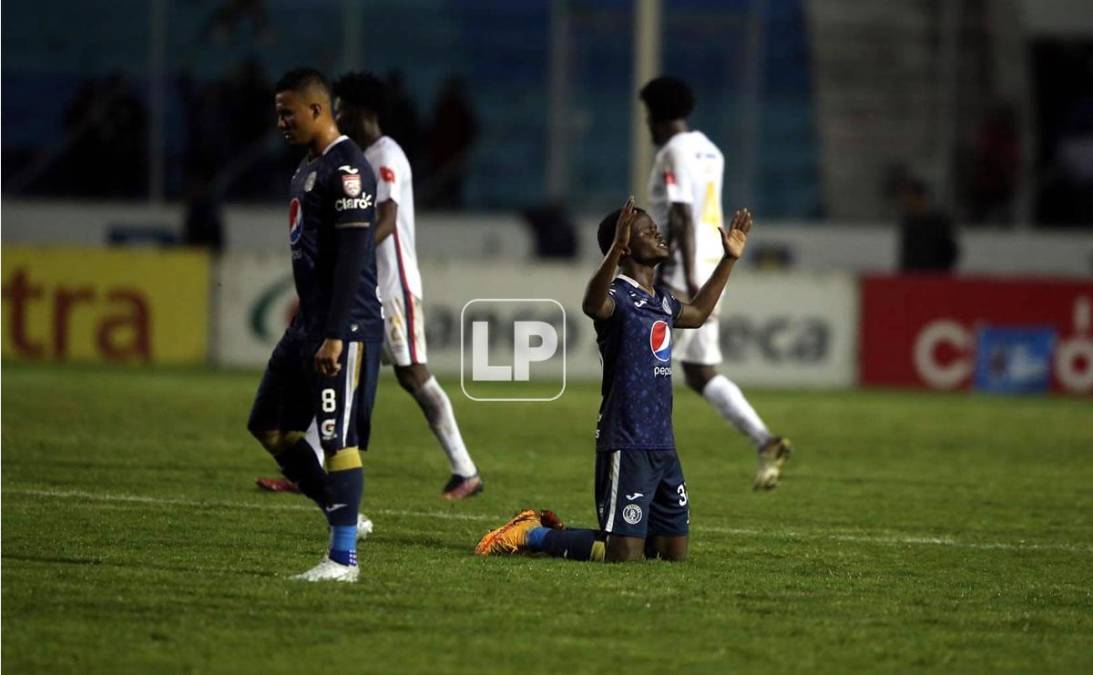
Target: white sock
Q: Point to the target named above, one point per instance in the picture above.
(729, 402)
(438, 410)
(312, 438)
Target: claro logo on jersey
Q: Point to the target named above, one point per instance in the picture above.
(295, 220)
(345, 203)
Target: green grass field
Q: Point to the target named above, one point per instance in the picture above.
(913, 532)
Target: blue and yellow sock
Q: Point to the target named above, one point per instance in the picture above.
(345, 485)
(569, 544)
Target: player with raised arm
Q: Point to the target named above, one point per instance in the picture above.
(641, 496)
(360, 103)
(685, 199)
(326, 364)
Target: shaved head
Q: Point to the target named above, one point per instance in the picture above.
(307, 83)
(304, 107)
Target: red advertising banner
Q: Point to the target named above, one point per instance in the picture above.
(924, 331)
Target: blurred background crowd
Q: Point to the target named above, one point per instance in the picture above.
(921, 172)
(981, 104)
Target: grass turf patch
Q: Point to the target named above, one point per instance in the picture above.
(912, 532)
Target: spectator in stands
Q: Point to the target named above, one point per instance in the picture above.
(927, 243)
(454, 129)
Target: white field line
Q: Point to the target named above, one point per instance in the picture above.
(447, 515)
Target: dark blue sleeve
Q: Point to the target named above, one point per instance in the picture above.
(352, 187)
(353, 244)
(676, 306)
(622, 302)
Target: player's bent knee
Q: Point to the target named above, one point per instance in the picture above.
(276, 441)
(670, 548)
(412, 378)
(271, 439)
(697, 376)
(624, 549)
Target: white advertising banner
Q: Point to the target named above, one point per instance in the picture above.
(254, 299)
(781, 330)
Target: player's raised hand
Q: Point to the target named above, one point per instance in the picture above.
(328, 357)
(734, 240)
(622, 226)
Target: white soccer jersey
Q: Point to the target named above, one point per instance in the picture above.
(396, 257)
(689, 170)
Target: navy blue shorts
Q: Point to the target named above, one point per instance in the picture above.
(292, 392)
(641, 493)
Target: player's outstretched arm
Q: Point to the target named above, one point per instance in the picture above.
(597, 302)
(733, 241)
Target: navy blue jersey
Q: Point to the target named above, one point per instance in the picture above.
(335, 190)
(636, 349)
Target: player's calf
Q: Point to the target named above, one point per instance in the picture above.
(437, 407)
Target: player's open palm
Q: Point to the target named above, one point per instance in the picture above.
(622, 226)
(736, 237)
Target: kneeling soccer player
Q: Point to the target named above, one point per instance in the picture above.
(641, 497)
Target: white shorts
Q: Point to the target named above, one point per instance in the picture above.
(403, 332)
(698, 345)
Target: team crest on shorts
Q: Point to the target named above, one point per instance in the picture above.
(631, 513)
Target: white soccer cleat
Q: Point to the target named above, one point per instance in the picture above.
(364, 526)
(328, 570)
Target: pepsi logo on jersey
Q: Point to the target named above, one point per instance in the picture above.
(295, 220)
(660, 341)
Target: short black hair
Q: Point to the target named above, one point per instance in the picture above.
(302, 79)
(605, 233)
(363, 90)
(668, 98)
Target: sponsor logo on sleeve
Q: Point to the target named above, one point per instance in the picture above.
(387, 174)
(349, 203)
